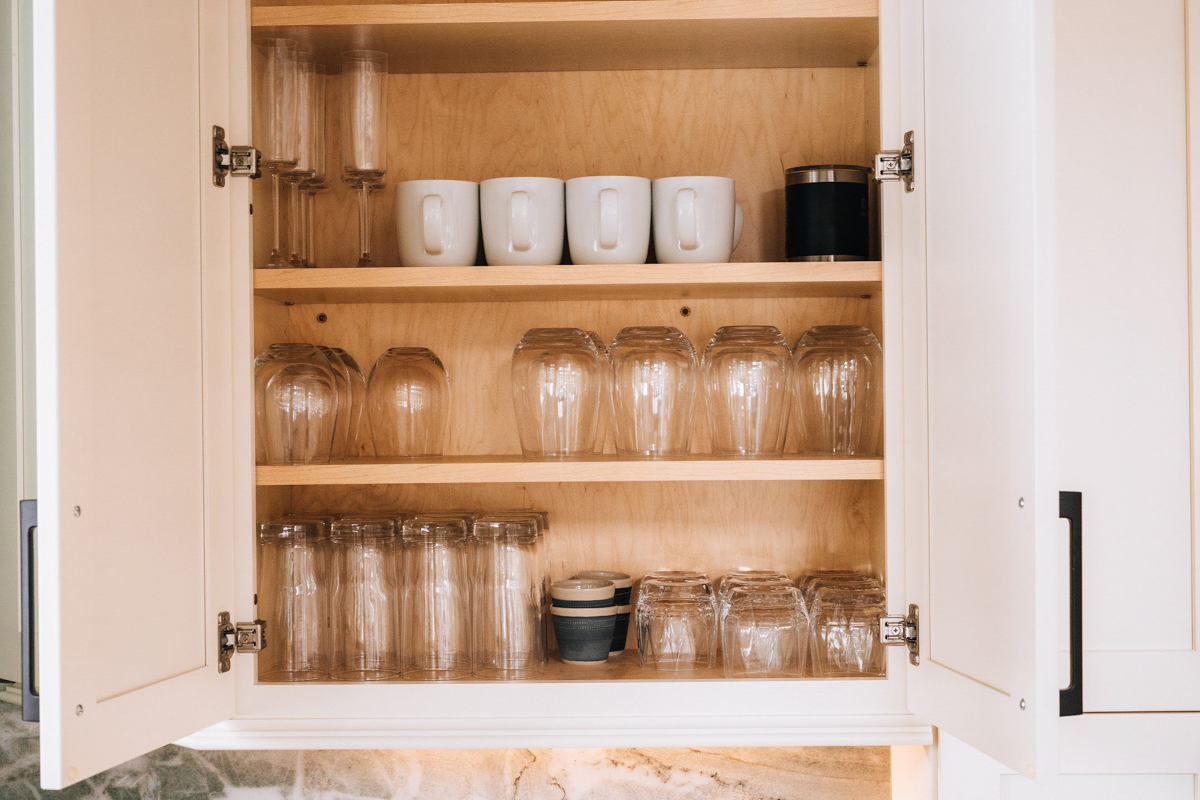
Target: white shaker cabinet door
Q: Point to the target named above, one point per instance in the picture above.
(134, 374)
(981, 493)
(1127, 340)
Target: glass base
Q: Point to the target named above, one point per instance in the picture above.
(365, 675)
(436, 674)
(294, 675)
(365, 261)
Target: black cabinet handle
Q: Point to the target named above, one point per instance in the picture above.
(1070, 699)
(30, 702)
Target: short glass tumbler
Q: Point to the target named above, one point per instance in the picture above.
(293, 600)
(408, 403)
(837, 379)
(746, 387)
(557, 384)
(508, 598)
(654, 385)
(676, 622)
(365, 599)
(764, 632)
(845, 633)
(295, 404)
(435, 621)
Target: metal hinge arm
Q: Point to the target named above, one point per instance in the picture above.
(903, 631)
(896, 165)
(244, 637)
(239, 160)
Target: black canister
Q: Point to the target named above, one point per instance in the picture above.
(828, 213)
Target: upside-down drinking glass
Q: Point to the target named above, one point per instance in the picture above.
(408, 403)
(358, 401)
(764, 632)
(293, 599)
(557, 383)
(508, 602)
(296, 404)
(654, 385)
(676, 622)
(365, 599)
(746, 386)
(837, 374)
(435, 621)
(364, 134)
(845, 633)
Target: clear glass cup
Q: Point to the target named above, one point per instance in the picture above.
(358, 403)
(764, 632)
(748, 578)
(845, 633)
(654, 384)
(508, 600)
(277, 126)
(813, 582)
(408, 403)
(364, 134)
(293, 599)
(365, 599)
(604, 422)
(435, 618)
(341, 378)
(295, 403)
(837, 390)
(676, 622)
(318, 181)
(557, 384)
(746, 387)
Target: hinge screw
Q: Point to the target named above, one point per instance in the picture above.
(1022, 703)
(78, 511)
(79, 711)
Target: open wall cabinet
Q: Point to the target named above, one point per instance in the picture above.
(150, 312)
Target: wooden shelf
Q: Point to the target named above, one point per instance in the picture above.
(642, 281)
(553, 35)
(514, 469)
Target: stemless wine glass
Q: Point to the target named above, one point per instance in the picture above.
(408, 403)
(837, 372)
(293, 599)
(557, 383)
(364, 134)
(746, 386)
(358, 401)
(365, 599)
(277, 135)
(296, 403)
(316, 182)
(653, 389)
(302, 170)
(435, 628)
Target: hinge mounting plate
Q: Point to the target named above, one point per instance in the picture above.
(903, 631)
(245, 637)
(241, 160)
(896, 165)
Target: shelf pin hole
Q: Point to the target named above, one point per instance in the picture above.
(685, 311)
(322, 318)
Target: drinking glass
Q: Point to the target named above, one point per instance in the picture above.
(365, 599)
(654, 380)
(277, 136)
(296, 402)
(293, 600)
(676, 622)
(764, 632)
(604, 421)
(508, 602)
(746, 384)
(813, 582)
(364, 134)
(845, 633)
(317, 182)
(408, 403)
(358, 401)
(748, 578)
(837, 376)
(435, 627)
(341, 379)
(557, 383)
(302, 170)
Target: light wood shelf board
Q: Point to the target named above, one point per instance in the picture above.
(645, 281)
(510, 469)
(586, 34)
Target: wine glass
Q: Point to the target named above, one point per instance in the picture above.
(278, 88)
(302, 170)
(364, 131)
(316, 182)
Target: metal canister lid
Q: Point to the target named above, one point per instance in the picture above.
(828, 173)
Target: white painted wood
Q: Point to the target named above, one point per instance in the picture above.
(914, 773)
(1125, 348)
(981, 492)
(134, 370)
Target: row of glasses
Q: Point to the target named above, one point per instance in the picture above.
(844, 608)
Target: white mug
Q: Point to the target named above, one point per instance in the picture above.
(608, 219)
(522, 220)
(437, 223)
(696, 220)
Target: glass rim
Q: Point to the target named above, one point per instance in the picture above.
(364, 57)
(264, 42)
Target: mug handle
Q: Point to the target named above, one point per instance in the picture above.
(608, 218)
(738, 220)
(685, 219)
(434, 223)
(519, 223)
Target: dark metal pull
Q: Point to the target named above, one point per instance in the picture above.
(1070, 699)
(30, 702)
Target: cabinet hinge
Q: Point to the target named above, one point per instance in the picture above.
(903, 631)
(240, 160)
(896, 165)
(245, 637)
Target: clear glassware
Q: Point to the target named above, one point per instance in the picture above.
(293, 599)
(508, 600)
(318, 181)
(604, 423)
(746, 386)
(341, 378)
(365, 599)
(764, 632)
(845, 633)
(435, 621)
(654, 381)
(557, 383)
(837, 381)
(408, 403)
(676, 622)
(358, 402)
(277, 132)
(758, 578)
(296, 403)
(302, 170)
(813, 582)
(364, 134)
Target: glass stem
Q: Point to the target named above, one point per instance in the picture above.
(294, 228)
(364, 225)
(310, 242)
(275, 212)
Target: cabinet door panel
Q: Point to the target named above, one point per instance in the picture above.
(134, 370)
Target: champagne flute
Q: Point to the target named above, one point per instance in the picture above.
(316, 182)
(302, 170)
(278, 89)
(364, 131)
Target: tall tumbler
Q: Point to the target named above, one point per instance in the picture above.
(435, 622)
(293, 600)
(837, 377)
(508, 602)
(365, 599)
(654, 382)
(295, 404)
(408, 403)
(557, 383)
(746, 384)
(364, 134)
